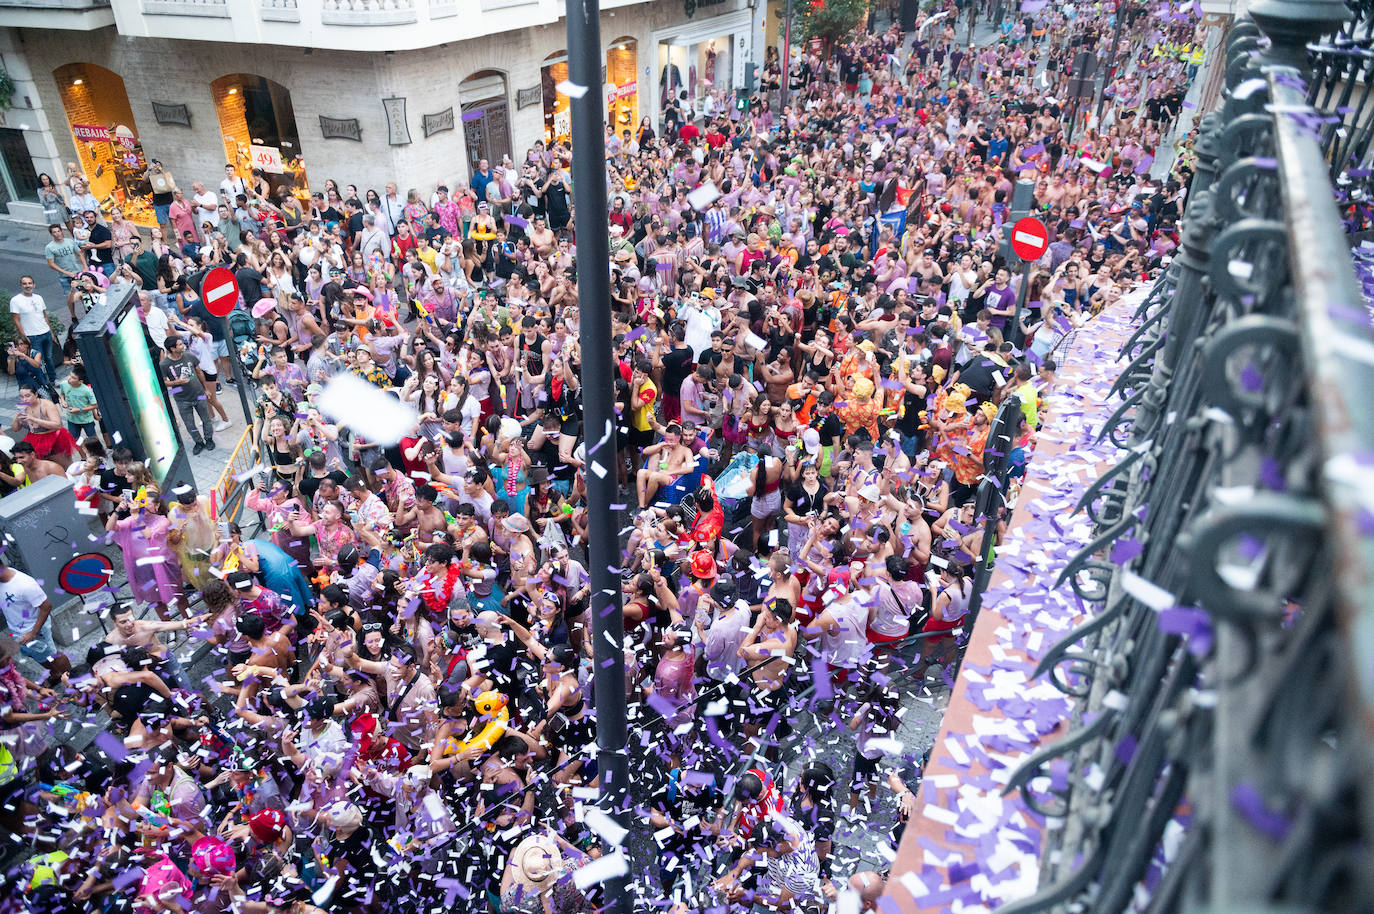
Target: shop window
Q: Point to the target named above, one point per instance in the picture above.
(557, 106)
(106, 139)
(622, 84)
(258, 124)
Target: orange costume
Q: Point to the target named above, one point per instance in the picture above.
(860, 410)
(961, 441)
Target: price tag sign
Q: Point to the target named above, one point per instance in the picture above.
(267, 158)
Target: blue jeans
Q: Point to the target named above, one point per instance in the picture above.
(42, 345)
(42, 649)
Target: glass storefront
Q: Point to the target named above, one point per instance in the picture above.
(622, 84)
(258, 124)
(557, 106)
(697, 69)
(106, 139)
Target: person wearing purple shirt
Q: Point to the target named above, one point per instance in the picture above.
(1000, 299)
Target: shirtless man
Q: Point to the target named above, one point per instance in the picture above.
(131, 631)
(35, 467)
(784, 586)
(271, 653)
(778, 376)
(669, 459)
(773, 636)
(431, 520)
(541, 237)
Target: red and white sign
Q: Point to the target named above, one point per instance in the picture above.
(627, 90)
(220, 291)
(1029, 238)
(267, 158)
(92, 133)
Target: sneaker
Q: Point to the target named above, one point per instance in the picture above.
(200, 446)
(221, 425)
(210, 445)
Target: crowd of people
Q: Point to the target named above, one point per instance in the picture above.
(815, 324)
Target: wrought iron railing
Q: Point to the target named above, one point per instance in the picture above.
(1220, 756)
(1341, 88)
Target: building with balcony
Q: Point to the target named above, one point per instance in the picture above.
(359, 91)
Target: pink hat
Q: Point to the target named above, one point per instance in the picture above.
(213, 856)
(264, 307)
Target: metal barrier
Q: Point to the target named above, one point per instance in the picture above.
(1222, 745)
(231, 489)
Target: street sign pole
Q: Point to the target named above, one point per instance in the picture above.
(1018, 337)
(236, 369)
(220, 292)
(1029, 241)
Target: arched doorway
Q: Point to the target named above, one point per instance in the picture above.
(486, 117)
(622, 84)
(557, 106)
(106, 138)
(258, 125)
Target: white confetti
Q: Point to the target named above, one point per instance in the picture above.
(367, 410)
(609, 829)
(598, 871)
(571, 89)
(703, 196)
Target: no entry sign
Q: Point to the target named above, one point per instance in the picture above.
(85, 573)
(221, 292)
(1029, 238)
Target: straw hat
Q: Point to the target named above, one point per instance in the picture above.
(536, 861)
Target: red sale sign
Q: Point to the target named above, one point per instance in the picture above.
(91, 133)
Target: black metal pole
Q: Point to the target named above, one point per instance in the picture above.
(236, 370)
(784, 84)
(1111, 60)
(598, 398)
(1017, 336)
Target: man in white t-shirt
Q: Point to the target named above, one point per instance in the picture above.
(30, 315)
(27, 610)
(154, 321)
(232, 186)
(207, 205)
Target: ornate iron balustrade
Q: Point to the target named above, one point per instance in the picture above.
(1342, 89)
(1222, 750)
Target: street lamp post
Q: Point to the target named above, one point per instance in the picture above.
(599, 430)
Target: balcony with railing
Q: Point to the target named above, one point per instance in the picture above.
(368, 12)
(78, 14)
(1224, 681)
(399, 24)
(213, 9)
(279, 10)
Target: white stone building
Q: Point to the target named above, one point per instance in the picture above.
(361, 91)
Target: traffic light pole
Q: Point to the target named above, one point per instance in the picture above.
(599, 422)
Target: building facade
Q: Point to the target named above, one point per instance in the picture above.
(360, 91)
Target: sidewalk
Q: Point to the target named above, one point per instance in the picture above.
(969, 844)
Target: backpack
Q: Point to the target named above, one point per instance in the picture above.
(240, 325)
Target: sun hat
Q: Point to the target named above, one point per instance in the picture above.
(536, 860)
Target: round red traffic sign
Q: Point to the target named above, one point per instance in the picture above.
(220, 291)
(85, 573)
(1029, 238)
